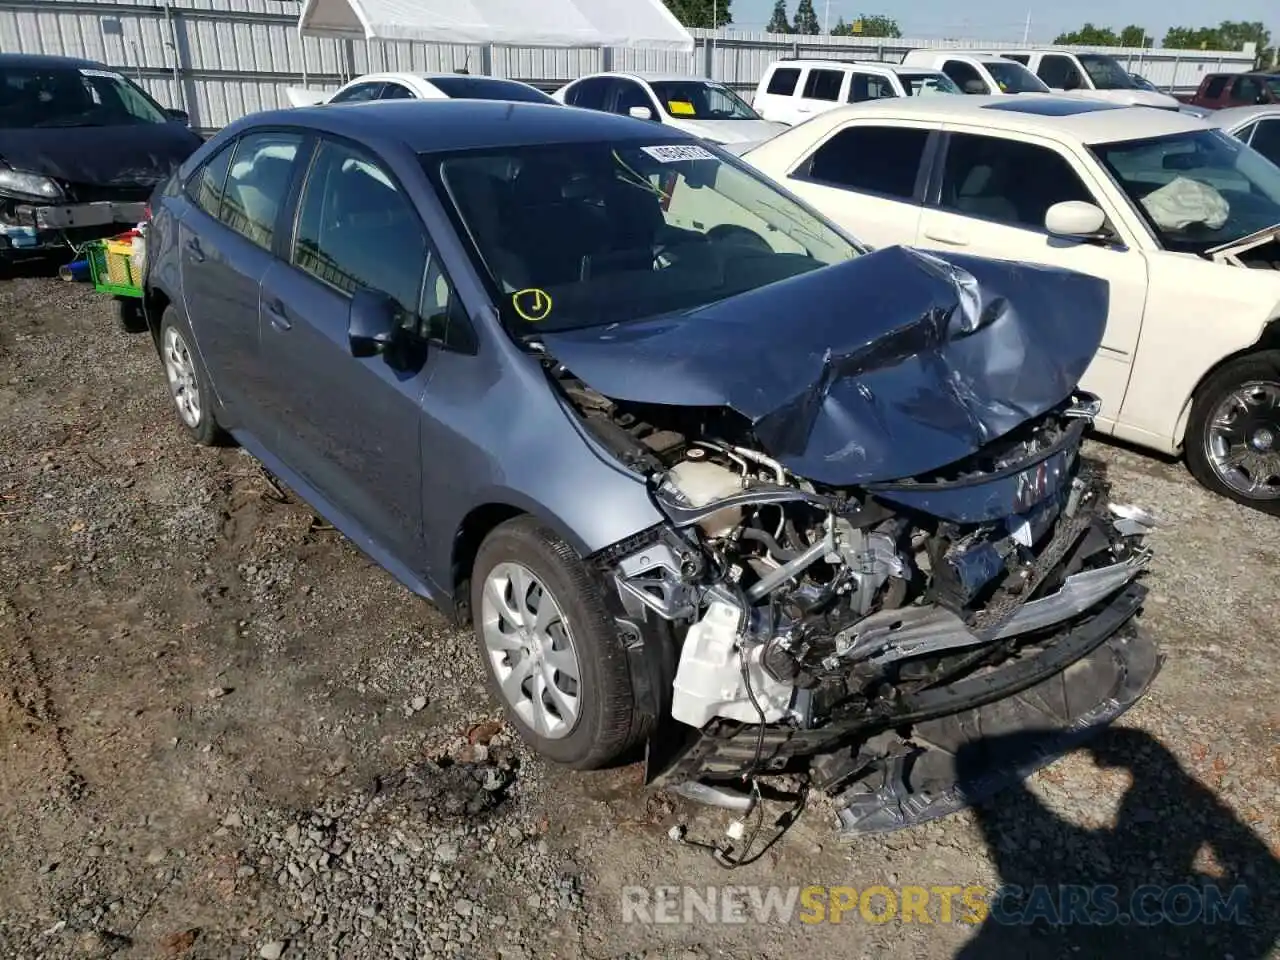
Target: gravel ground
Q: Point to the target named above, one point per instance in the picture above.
(225, 733)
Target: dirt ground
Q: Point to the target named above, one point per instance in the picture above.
(226, 733)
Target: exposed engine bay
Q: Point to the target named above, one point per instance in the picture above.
(856, 633)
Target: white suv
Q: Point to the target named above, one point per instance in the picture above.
(978, 73)
(792, 91)
(1096, 75)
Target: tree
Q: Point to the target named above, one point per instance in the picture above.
(778, 23)
(806, 20)
(1227, 35)
(1136, 36)
(701, 13)
(867, 25)
(1089, 36)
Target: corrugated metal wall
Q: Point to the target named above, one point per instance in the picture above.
(221, 59)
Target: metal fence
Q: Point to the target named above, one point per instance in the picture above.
(221, 59)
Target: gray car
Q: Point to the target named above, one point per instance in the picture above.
(704, 475)
(1258, 126)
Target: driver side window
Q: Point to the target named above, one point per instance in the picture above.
(1060, 72)
(965, 76)
(631, 94)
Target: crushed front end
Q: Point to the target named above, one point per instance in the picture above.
(883, 543)
(865, 635)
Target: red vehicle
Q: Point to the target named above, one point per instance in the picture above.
(1219, 90)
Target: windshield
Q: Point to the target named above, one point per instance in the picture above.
(70, 97)
(927, 84)
(1013, 77)
(488, 88)
(1197, 190)
(699, 100)
(1106, 72)
(585, 234)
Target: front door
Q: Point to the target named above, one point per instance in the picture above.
(994, 194)
(351, 426)
(225, 241)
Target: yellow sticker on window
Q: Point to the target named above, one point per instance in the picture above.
(681, 108)
(533, 305)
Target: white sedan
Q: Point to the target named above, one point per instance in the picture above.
(1164, 206)
(704, 108)
(420, 86)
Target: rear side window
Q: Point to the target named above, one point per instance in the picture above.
(1215, 86)
(881, 160)
(823, 85)
(206, 187)
(783, 82)
(965, 76)
(359, 93)
(356, 229)
(866, 86)
(257, 184)
(1248, 89)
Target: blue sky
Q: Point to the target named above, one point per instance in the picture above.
(1005, 19)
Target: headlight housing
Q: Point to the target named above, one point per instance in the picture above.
(33, 186)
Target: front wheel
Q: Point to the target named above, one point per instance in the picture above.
(553, 656)
(1233, 434)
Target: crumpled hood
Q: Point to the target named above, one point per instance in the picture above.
(136, 154)
(892, 364)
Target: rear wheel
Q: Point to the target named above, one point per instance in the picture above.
(551, 651)
(188, 382)
(1233, 435)
(130, 314)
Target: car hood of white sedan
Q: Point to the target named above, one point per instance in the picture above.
(730, 131)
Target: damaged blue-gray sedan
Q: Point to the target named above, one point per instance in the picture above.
(704, 475)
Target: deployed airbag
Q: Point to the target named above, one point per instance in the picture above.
(892, 364)
(1183, 202)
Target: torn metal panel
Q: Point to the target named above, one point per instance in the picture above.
(904, 361)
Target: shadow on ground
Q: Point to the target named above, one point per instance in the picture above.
(1178, 876)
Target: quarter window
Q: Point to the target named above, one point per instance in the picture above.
(783, 82)
(823, 85)
(1007, 180)
(257, 183)
(882, 160)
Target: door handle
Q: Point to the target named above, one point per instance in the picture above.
(276, 315)
(193, 248)
(951, 239)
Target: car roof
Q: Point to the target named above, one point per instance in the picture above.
(412, 75)
(651, 77)
(427, 126)
(1236, 116)
(851, 64)
(36, 60)
(982, 56)
(1078, 118)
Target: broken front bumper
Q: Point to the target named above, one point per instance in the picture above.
(34, 227)
(1054, 696)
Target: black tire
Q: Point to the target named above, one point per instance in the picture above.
(206, 431)
(131, 315)
(1261, 366)
(608, 724)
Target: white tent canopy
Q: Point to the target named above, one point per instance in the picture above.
(521, 23)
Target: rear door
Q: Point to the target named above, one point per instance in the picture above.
(824, 89)
(225, 240)
(778, 100)
(868, 177)
(869, 86)
(991, 199)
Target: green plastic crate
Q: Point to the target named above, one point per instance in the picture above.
(112, 268)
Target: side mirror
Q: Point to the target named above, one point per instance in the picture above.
(975, 86)
(179, 115)
(1262, 98)
(1076, 220)
(372, 323)
(640, 113)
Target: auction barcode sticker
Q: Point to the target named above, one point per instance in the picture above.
(675, 153)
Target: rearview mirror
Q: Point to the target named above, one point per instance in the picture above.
(640, 113)
(1077, 220)
(372, 323)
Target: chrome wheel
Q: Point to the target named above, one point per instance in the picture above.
(1242, 442)
(181, 371)
(531, 650)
